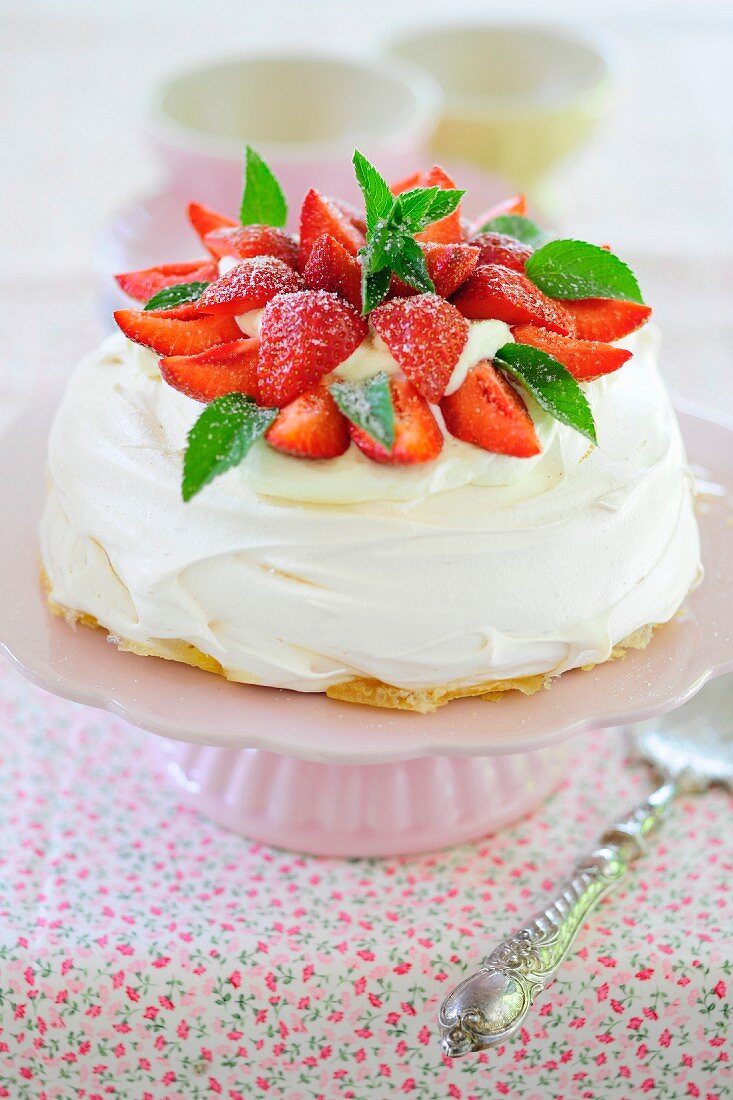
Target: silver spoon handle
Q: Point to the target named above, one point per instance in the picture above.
(491, 1004)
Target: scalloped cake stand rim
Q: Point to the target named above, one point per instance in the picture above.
(185, 704)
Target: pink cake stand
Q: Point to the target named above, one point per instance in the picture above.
(305, 772)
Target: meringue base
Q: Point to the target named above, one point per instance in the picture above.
(370, 693)
(373, 693)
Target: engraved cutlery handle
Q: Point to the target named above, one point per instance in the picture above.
(491, 1004)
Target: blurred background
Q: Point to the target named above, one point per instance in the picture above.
(654, 177)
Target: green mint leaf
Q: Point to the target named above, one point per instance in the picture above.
(408, 264)
(374, 287)
(413, 206)
(379, 246)
(263, 202)
(220, 439)
(375, 269)
(423, 205)
(368, 404)
(517, 226)
(171, 296)
(391, 221)
(378, 199)
(552, 386)
(576, 269)
(444, 203)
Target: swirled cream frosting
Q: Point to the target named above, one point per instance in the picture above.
(472, 568)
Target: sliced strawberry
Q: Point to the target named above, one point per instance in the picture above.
(496, 292)
(426, 336)
(204, 220)
(498, 248)
(246, 241)
(417, 435)
(585, 359)
(606, 318)
(311, 426)
(249, 285)
(489, 413)
(169, 336)
(449, 265)
(228, 368)
(142, 285)
(331, 267)
(304, 336)
(352, 214)
(447, 230)
(517, 204)
(406, 184)
(319, 215)
(189, 311)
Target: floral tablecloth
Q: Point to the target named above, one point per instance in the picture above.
(146, 953)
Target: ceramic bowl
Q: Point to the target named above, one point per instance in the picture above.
(518, 98)
(304, 114)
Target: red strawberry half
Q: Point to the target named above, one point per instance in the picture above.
(304, 336)
(585, 359)
(331, 267)
(449, 265)
(606, 319)
(311, 426)
(517, 204)
(189, 311)
(489, 413)
(425, 335)
(246, 241)
(319, 215)
(204, 220)
(142, 285)
(447, 230)
(228, 368)
(356, 217)
(498, 248)
(497, 292)
(169, 336)
(249, 285)
(406, 184)
(418, 437)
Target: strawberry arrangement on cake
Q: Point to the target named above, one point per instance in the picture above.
(398, 459)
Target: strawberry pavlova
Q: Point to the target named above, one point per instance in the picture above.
(398, 458)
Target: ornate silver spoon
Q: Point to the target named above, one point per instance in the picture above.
(690, 749)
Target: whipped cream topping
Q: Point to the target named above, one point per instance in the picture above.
(301, 575)
(353, 478)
